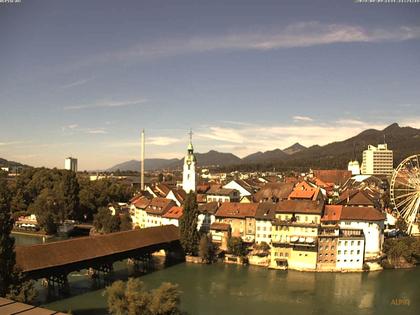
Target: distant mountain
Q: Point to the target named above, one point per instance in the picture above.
(211, 158)
(265, 157)
(149, 165)
(214, 158)
(6, 163)
(404, 141)
(295, 148)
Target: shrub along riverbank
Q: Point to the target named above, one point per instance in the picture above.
(401, 252)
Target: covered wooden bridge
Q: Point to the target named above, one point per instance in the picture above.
(54, 261)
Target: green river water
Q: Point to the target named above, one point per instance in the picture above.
(231, 289)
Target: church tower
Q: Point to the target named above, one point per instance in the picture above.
(188, 176)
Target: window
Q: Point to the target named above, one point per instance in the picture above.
(352, 242)
(339, 252)
(352, 252)
(358, 251)
(281, 254)
(286, 254)
(345, 243)
(358, 242)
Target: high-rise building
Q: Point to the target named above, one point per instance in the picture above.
(378, 160)
(188, 175)
(70, 164)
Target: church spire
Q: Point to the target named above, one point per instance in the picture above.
(190, 146)
(189, 176)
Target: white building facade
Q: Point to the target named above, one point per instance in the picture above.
(378, 160)
(70, 164)
(188, 175)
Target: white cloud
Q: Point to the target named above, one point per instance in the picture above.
(296, 35)
(161, 141)
(302, 118)
(96, 131)
(75, 83)
(106, 104)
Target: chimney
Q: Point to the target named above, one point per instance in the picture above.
(142, 162)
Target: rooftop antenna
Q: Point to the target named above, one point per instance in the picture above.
(142, 161)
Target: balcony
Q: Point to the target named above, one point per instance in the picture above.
(296, 240)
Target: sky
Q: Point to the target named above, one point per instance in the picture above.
(83, 78)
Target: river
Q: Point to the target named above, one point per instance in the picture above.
(231, 289)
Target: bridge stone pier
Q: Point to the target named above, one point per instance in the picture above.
(54, 261)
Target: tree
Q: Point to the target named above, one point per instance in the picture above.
(126, 223)
(188, 225)
(401, 225)
(22, 290)
(46, 208)
(132, 298)
(237, 247)
(68, 192)
(206, 249)
(165, 300)
(7, 243)
(105, 222)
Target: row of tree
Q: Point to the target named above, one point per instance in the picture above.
(12, 284)
(56, 195)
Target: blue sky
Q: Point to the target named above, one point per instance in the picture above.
(82, 78)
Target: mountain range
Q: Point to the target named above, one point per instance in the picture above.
(404, 141)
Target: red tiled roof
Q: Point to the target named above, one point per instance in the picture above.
(300, 206)
(338, 177)
(277, 191)
(237, 210)
(210, 207)
(160, 206)
(304, 191)
(332, 213)
(361, 214)
(265, 211)
(141, 202)
(174, 213)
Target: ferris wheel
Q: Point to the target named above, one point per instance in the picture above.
(405, 191)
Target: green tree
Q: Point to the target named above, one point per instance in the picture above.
(46, 208)
(105, 222)
(188, 225)
(206, 249)
(126, 223)
(237, 247)
(132, 298)
(7, 253)
(22, 290)
(68, 192)
(401, 225)
(165, 300)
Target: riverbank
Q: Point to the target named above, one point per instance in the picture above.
(32, 233)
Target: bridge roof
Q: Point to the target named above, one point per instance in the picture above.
(54, 254)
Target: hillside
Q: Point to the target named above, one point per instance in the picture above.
(404, 141)
(5, 163)
(210, 159)
(295, 148)
(266, 157)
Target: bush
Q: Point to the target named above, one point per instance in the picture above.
(132, 298)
